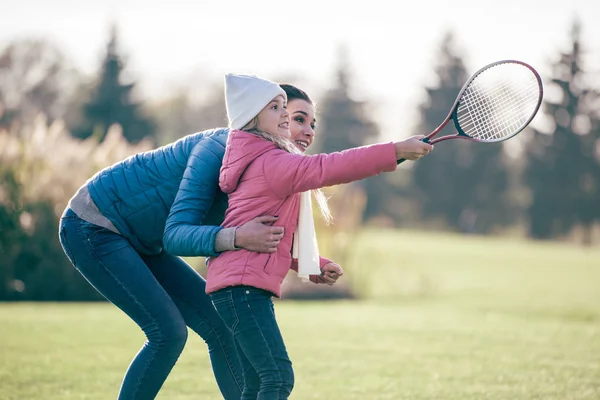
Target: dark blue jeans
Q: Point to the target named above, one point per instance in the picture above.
(163, 295)
(250, 315)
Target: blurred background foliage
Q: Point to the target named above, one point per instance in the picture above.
(58, 127)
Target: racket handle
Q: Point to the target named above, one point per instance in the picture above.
(400, 161)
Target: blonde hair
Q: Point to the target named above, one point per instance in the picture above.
(290, 147)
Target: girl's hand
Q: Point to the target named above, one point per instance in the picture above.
(330, 273)
(412, 148)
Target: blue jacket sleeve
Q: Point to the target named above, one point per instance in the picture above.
(185, 234)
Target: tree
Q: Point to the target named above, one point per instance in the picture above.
(343, 120)
(344, 123)
(563, 164)
(41, 168)
(178, 115)
(462, 184)
(35, 77)
(11, 233)
(112, 103)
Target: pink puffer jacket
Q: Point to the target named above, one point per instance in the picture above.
(262, 179)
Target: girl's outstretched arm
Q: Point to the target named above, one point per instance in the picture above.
(293, 173)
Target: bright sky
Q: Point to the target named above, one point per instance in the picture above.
(392, 44)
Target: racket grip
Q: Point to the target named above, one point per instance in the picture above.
(400, 161)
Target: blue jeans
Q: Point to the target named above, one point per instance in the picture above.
(250, 315)
(163, 295)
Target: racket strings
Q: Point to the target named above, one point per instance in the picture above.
(492, 119)
(497, 112)
(494, 113)
(499, 102)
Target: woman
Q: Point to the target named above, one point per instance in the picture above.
(123, 226)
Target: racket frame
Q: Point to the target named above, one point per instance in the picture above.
(453, 114)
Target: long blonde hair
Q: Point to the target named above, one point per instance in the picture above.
(290, 147)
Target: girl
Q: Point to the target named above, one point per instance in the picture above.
(264, 174)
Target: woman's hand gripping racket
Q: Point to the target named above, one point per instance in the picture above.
(495, 104)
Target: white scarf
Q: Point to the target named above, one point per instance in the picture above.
(305, 247)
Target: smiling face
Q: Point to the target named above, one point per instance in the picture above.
(274, 118)
(303, 122)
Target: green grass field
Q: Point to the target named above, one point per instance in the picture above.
(470, 318)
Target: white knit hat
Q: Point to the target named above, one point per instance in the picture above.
(246, 96)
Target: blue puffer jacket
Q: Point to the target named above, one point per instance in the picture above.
(169, 197)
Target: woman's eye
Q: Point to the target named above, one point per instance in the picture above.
(300, 120)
